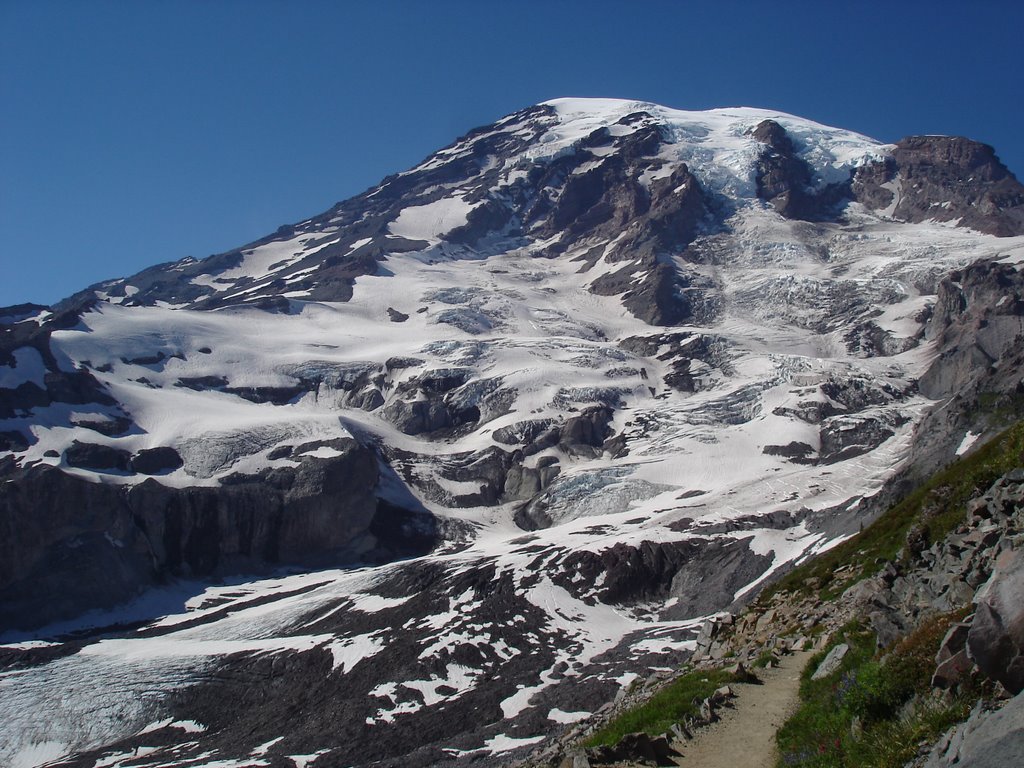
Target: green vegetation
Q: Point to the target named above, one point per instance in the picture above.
(762, 659)
(873, 711)
(933, 510)
(668, 706)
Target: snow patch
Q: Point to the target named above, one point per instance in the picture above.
(39, 753)
(965, 445)
(304, 761)
(349, 651)
(28, 368)
(429, 222)
(559, 716)
(502, 743)
(323, 452)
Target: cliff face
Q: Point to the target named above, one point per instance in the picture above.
(944, 178)
(978, 373)
(119, 540)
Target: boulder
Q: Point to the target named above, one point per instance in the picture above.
(984, 740)
(635, 747)
(831, 661)
(951, 662)
(996, 638)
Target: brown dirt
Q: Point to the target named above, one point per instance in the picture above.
(745, 735)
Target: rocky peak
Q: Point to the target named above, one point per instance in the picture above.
(783, 178)
(944, 178)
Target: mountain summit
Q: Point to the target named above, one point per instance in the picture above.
(430, 475)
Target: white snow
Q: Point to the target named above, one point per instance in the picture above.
(304, 761)
(559, 716)
(349, 651)
(714, 143)
(965, 445)
(188, 726)
(39, 753)
(174, 647)
(502, 743)
(263, 748)
(28, 368)
(323, 452)
(429, 222)
(457, 676)
(551, 344)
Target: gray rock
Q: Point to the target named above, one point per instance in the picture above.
(153, 461)
(680, 731)
(784, 178)
(945, 178)
(93, 545)
(996, 638)
(101, 458)
(831, 662)
(985, 740)
(637, 747)
(951, 660)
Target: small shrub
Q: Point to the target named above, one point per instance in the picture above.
(888, 697)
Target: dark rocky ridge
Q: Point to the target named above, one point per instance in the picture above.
(784, 179)
(944, 178)
(939, 178)
(78, 387)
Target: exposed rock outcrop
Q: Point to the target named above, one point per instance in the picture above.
(784, 179)
(944, 178)
(987, 739)
(112, 541)
(979, 374)
(996, 638)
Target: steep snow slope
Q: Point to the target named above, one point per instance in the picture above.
(614, 364)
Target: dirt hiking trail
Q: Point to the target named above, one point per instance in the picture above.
(745, 735)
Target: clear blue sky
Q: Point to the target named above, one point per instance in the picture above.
(133, 133)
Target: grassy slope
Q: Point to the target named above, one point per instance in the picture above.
(670, 705)
(875, 710)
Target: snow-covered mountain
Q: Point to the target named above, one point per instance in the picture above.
(437, 472)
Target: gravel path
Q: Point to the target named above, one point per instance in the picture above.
(745, 736)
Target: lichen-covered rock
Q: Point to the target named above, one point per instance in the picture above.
(831, 662)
